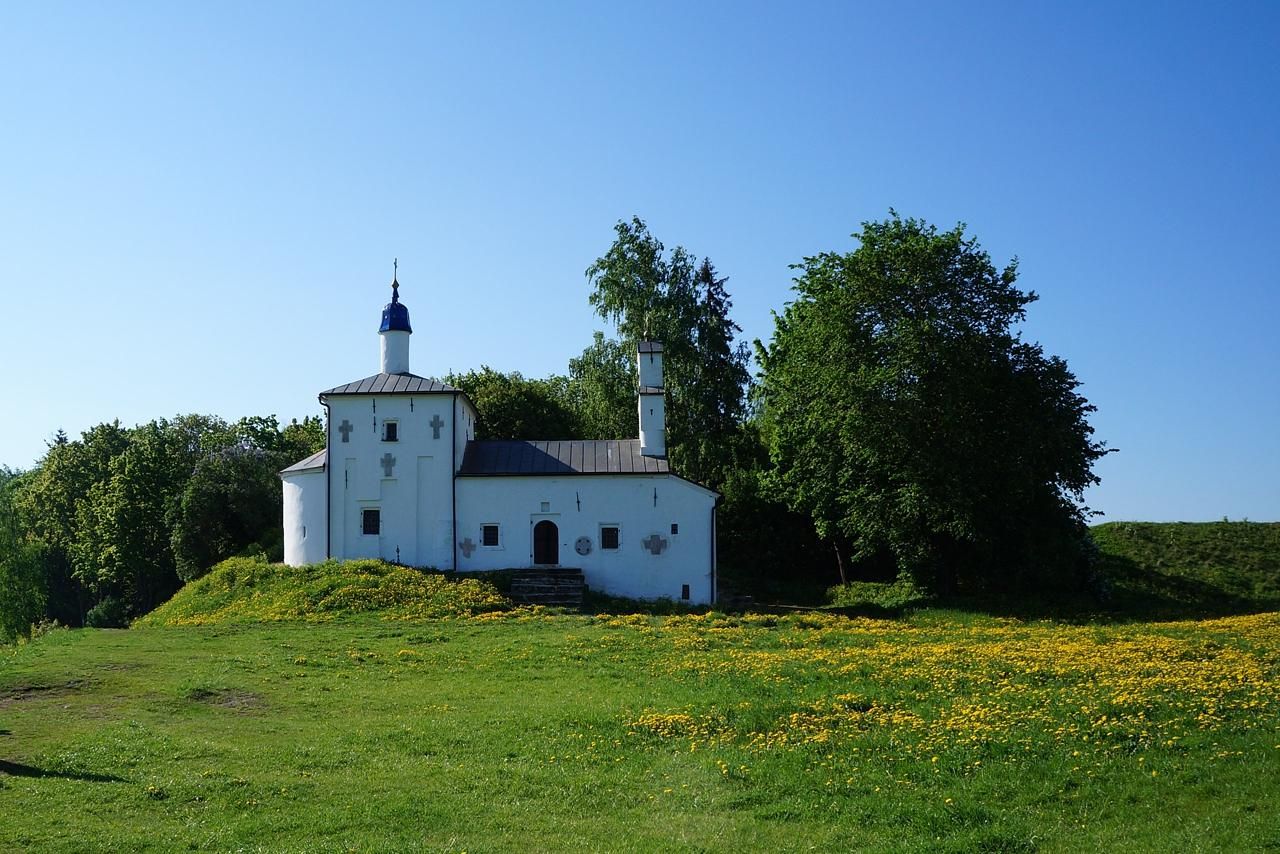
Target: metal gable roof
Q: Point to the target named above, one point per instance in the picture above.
(614, 456)
(392, 384)
(315, 462)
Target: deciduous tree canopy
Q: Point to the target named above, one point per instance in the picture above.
(906, 414)
(602, 389)
(672, 299)
(509, 406)
(126, 514)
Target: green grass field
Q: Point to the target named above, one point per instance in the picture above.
(366, 707)
(512, 731)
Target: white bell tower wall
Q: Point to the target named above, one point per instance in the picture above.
(394, 352)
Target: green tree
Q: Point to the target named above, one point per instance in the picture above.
(300, 439)
(713, 400)
(509, 406)
(122, 544)
(47, 501)
(602, 390)
(23, 591)
(195, 436)
(762, 545)
(231, 503)
(907, 416)
(49, 496)
(671, 298)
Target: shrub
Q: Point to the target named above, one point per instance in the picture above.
(892, 596)
(23, 590)
(110, 613)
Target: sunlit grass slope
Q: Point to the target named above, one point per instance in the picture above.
(522, 731)
(252, 590)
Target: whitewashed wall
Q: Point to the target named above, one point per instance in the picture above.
(653, 424)
(579, 506)
(416, 499)
(303, 517)
(393, 352)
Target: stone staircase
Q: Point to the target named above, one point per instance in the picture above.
(562, 587)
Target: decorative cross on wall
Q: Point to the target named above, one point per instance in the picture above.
(435, 423)
(388, 464)
(654, 543)
(345, 429)
(467, 547)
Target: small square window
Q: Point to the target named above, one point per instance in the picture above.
(546, 507)
(675, 528)
(390, 431)
(371, 521)
(489, 536)
(609, 537)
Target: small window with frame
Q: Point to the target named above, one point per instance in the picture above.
(371, 521)
(390, 431)
(610, 537)
(491, 536)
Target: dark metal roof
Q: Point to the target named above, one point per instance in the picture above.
(649, 347)
(615, 456)
(392, 384)
(314, 462)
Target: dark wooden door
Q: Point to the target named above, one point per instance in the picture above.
(546, 543)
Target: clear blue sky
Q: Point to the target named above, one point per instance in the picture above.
(199, 203)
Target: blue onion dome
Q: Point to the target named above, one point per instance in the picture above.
(395, 315)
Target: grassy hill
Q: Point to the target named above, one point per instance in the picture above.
(1185, 567)
(250, 590)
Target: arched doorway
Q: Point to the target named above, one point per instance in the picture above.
(546, 543)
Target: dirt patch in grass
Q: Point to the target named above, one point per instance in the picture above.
(228, 698)
(21, 693)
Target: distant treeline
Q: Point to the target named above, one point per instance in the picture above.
(899, 426)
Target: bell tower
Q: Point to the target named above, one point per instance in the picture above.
(395, 331)
(652, 400)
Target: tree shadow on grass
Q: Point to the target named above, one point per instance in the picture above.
(1121, 591)
(602, 604)
(873, 611)
(599, 604)
(1147, 593)
(17, 769)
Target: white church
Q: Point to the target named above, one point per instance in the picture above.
(403, 478)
